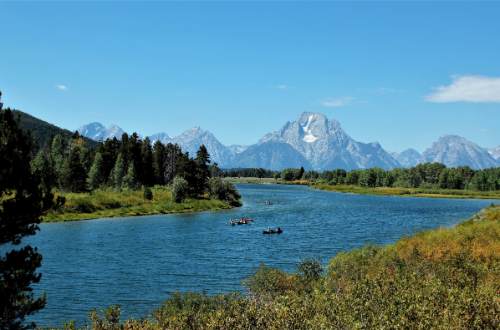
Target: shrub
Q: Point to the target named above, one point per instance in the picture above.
(148, 194)
(270, 282)
(310, 270)
(84, 206)
(109, 321)
(224, 191)
(180, 189)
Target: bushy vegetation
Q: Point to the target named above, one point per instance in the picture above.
(439, 279)
(179, 189)
(224, 191)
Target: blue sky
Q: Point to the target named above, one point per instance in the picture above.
(402, 74)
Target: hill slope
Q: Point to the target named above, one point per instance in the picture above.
(42, 131)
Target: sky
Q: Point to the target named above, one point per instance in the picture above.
(400, 73)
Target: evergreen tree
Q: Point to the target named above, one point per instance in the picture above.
(159, 163)
(130, 179)
(58, 151)
(301, 173)
(175, 162)
(22, 202)
(202, 162)
(147, 163)
(118, 172)
(96, 176)
(109, 151)
(135, 156)
(74, 175)
(43, 167)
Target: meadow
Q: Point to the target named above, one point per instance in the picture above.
(106, 203)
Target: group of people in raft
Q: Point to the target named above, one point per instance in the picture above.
(247, 221)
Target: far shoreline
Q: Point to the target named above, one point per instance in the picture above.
(377, 191)
(109, 203)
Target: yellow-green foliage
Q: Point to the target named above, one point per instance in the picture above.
(412, 192)
(112, 203)
(439, 279)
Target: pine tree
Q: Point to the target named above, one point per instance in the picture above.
(74, 175)
(118, 172)
(159, 163)
(130, 179)
(22, 202)
(58, 152)
(43, 167)
(147, 163)
(96, 176)
(202, 162)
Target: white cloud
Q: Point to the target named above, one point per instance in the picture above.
(62, 88)
(475, 89)
(337, 102)
(282, 86)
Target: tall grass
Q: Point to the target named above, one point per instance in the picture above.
(112, 203)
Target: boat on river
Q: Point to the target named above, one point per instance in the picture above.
(241, 221)
(269, 231)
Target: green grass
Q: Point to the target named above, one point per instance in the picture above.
(111, 203)
(410, 192)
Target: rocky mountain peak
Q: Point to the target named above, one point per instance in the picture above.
(454, 150)
(98, 132)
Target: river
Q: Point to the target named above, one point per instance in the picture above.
(138, 261)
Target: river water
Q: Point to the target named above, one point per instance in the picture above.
(138, 261)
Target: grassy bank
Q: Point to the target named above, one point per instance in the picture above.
(111, 203)
(447, 278)
(235, 180)
(411, 192)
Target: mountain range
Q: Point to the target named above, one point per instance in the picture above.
(315, 142)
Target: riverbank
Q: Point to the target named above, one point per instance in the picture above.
(385, 191)
(111, 203)
(446, 278)
(235, 180)
(408, 192)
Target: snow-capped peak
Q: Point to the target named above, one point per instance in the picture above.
(308, 135)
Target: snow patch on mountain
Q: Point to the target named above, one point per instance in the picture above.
(308, 136)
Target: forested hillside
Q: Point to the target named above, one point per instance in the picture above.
(42, 131)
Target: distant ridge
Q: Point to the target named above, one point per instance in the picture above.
(454, 150)
(316, 142)
(42, 131)
(97, 132)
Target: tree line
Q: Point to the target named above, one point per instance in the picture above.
(427, 175)
(128, 163)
